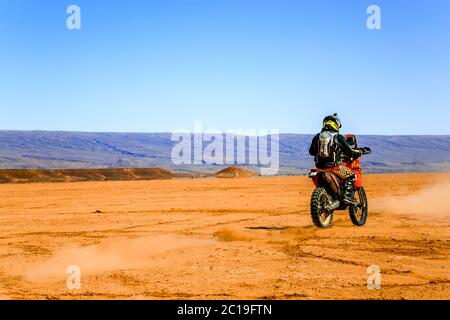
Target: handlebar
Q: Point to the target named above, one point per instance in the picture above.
(365, 150)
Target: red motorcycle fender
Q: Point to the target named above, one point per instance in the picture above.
(358, 174)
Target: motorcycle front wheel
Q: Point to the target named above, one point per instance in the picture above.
(320, 199)
(358, 214)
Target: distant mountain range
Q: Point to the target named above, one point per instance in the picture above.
(76, 150)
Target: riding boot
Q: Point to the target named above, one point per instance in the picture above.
(349, 190)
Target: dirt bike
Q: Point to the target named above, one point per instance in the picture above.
(328, 194)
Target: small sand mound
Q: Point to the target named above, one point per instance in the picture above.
(235, 172)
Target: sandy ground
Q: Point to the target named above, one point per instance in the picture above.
(249, 238)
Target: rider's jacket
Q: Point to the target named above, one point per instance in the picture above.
(342, 148)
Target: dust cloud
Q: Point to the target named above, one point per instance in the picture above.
(230, 234)
(431, 201)
(267, 234)
(117, 254)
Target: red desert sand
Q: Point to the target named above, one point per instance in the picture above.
(248, 238)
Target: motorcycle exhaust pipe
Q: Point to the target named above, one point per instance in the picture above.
(333, 206)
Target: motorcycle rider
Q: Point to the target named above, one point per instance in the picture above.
(328, 148)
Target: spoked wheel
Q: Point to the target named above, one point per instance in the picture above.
(320, 199)
(358, 214)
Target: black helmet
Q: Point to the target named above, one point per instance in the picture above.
(332, 122)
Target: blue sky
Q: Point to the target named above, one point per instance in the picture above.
(146, 66)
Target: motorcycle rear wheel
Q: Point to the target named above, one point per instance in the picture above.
(358, 214)
(320, 216)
